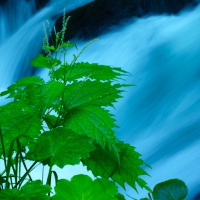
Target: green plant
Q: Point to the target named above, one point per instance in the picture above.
(65, 121)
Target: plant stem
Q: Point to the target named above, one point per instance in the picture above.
(17, 157)
(49, 178)
(3, 148)
(43, 174)
(149, 195)
(15, 169)
(24, 164)
(3, 172)
(26, 174)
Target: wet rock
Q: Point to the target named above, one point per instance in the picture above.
(96, 18)
(197, 197)
(39, 3)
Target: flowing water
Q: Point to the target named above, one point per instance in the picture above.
(160, 116)
(24, 44)
(12, 17)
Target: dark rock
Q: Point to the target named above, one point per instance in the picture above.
(197, 197)
(96, 18)
(3, 2)
(39, 3)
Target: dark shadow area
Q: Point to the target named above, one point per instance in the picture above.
(39, 3)
(96, 18)
(197, 197)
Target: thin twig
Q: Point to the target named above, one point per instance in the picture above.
(149, 195)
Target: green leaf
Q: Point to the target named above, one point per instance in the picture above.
(61, 147)
(17, 119)
(147, 165)
(51, 121)
(52, 92)
(47, 48)
(127, 170)
(82, 187)
(30, 191)
(173, 189)
(120, 196)
(18, 90)
(44, 62)
(9, 194)
(68, 44)
(91, 93)
(30, 80)
(93, 121)
(2, 180)
(143, 184)
(82, 70)
(45, 96)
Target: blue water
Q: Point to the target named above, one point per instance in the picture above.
(161, 115)
(13, 15)
(24, 43)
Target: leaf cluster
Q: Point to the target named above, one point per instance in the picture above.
(66, 121)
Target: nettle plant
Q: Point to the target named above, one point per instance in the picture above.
(66, 121)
